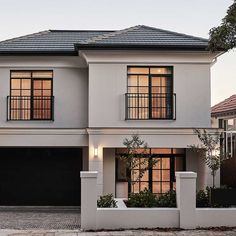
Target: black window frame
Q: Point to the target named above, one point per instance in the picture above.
(171, 95)
(172, 156)
(31, 96)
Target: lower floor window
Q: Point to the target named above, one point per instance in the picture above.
(160, 178)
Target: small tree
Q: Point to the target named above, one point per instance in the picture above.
(137, 156)
(209, 150)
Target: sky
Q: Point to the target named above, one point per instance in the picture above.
(195, 17)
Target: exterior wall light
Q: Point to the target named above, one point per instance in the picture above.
(95, 152)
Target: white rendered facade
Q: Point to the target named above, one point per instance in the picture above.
(89, 108)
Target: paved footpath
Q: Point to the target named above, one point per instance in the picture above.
(115, 233)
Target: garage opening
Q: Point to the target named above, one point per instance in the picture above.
(40, 176)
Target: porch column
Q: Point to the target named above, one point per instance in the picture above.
(186, 198)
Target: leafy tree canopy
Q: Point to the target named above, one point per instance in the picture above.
(224, 36)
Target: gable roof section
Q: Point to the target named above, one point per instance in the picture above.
(225, 108)
(145, 37)
(69, 41)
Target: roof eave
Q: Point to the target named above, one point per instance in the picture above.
(140, 47)
(224, 113)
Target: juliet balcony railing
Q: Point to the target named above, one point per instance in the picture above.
(153, 106)
(30, 108)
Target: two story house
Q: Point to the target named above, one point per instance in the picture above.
(68, 99)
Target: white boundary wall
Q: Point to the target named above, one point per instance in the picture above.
(185, 216)
(131, 218)
(216, 217)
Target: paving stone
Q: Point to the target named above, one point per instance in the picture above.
(24, 220)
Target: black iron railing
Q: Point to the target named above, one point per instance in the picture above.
(30, 108)
(145, 106)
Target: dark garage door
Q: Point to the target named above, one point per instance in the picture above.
(40, 176)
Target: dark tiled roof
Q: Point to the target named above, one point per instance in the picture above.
(64, 41)
(48, 41)
(145, 36)
(224, 108)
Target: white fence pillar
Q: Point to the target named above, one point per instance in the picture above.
(88, 199)
(186, 198)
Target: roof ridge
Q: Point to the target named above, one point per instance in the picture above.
(173, 32)
(108, 35)
(55, 30)
(24, 36)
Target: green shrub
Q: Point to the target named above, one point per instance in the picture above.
(167, 199)
(144, 198)
(202, 198)
(106, 201)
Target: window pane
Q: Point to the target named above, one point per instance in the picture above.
(165, 187)
(156, 81)
(47, 93)
(143, 80)
(37, 84)
(42, 74)
(165, 175)
(165, 163)
(156, 187)
(156, 175)
(158, 163)
(135, 187)
(15, 84)
(46, 84)
(134, 175)
(19, 74)
(133, 90)
(160, 70)
(138, 70)
(143, 186)
(25, 92)
(37, 92)
(163, 81)
(145, 176)
(156, 89)
(161, 150)
(26, 83)
(15, 92)
(143, 90)
(132, 80)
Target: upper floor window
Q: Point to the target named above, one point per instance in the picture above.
(150, 93)
(31, 95)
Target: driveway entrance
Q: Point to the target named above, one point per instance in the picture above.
(39, 218)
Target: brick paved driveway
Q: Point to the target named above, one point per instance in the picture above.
(39, 219)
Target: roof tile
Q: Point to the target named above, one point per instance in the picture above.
(65, 41)
(226, 106)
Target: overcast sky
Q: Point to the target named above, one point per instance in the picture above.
(196, 17)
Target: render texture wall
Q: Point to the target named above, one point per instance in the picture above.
(108, 84)
(70, 83)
